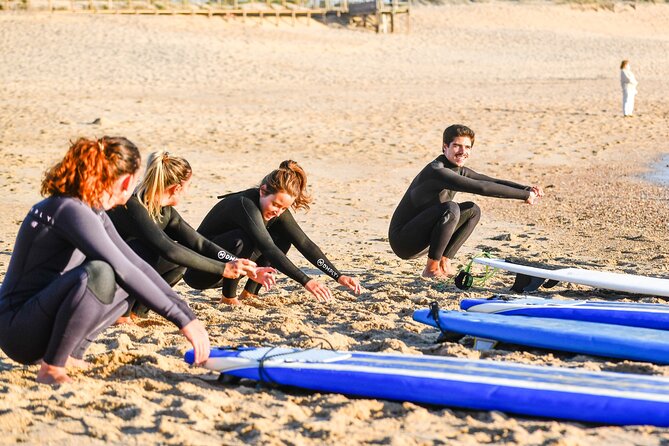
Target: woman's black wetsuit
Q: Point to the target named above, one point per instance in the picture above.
(71, 276)
(236, 223)
(169, 245)
(428, 220)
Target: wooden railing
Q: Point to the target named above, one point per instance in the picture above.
(378, 10)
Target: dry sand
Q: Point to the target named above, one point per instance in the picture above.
(363, 113)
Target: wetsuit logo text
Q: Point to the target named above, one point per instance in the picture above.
(222, 255)
(325, 267)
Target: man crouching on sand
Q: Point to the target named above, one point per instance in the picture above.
(427, 220)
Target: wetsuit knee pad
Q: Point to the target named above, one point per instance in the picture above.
(101, 280)
(474, 210)
(450, 210)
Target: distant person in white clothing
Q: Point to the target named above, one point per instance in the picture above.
(628, 82)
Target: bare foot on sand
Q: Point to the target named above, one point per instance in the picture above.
(127, 320)
(77, 363)
(50, 374)
(245, 295)
(433, 270)
(230, 300)
(447, 267)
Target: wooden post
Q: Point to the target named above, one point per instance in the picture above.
(408, 21)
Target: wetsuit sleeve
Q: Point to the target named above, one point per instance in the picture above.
(288, 228)
(99, 240)
(464, 183)
(192, 250)
(249, 218)
(478, 176)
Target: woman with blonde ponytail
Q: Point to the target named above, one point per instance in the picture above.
(157, 233)
(71, 275)
(257, 223)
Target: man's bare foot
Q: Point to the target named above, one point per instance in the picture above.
(50, 374)
(77, 363)
(230, 300)
(433, 270)
(245, 295)
(447, 267)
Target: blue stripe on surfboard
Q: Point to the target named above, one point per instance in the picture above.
(359, 374)
(615, 341)
(619, 313)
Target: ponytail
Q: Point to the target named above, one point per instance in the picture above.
(162, 172)
(291, 179)
(90, 168)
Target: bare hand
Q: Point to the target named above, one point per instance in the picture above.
(320, 292)
(199, 339)
(537, 190)
(351, 283)
(238, 268)
(264, 276)
(533, 198)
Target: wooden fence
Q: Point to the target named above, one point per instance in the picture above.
(380, 14)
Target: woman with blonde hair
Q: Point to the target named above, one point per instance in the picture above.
(71, 275)
(258, 224)
(157, 233)
(629, 85)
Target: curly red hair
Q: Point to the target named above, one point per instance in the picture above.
(90, 167)
(289, 178)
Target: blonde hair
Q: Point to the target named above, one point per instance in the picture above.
(162, 172)
(291, 179)
(623, 64)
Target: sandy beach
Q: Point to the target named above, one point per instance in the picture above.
(363, 113)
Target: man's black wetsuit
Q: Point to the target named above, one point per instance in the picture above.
(169, 245)
(427, 219)
(236, 223)
(71, 276)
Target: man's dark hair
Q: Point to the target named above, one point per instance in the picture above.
(456, 130)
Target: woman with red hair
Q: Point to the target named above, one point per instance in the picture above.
(71, 275)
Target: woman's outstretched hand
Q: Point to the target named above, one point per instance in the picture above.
(320, 292)
(199, 339)
(537, 190)
(350, 283)
(264, 276)
(240, 267)
(533, 198)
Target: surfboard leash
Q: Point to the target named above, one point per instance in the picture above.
(263, 375)
(465, 279)
(445, 335)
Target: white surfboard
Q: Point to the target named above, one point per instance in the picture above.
(529, 278)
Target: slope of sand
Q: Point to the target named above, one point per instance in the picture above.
(362, 113)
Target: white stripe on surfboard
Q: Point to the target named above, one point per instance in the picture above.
(496, 307)
(234, 364)
(521, 371)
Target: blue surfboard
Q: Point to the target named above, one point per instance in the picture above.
(617, 313)
(553, 392)
(591, 338)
